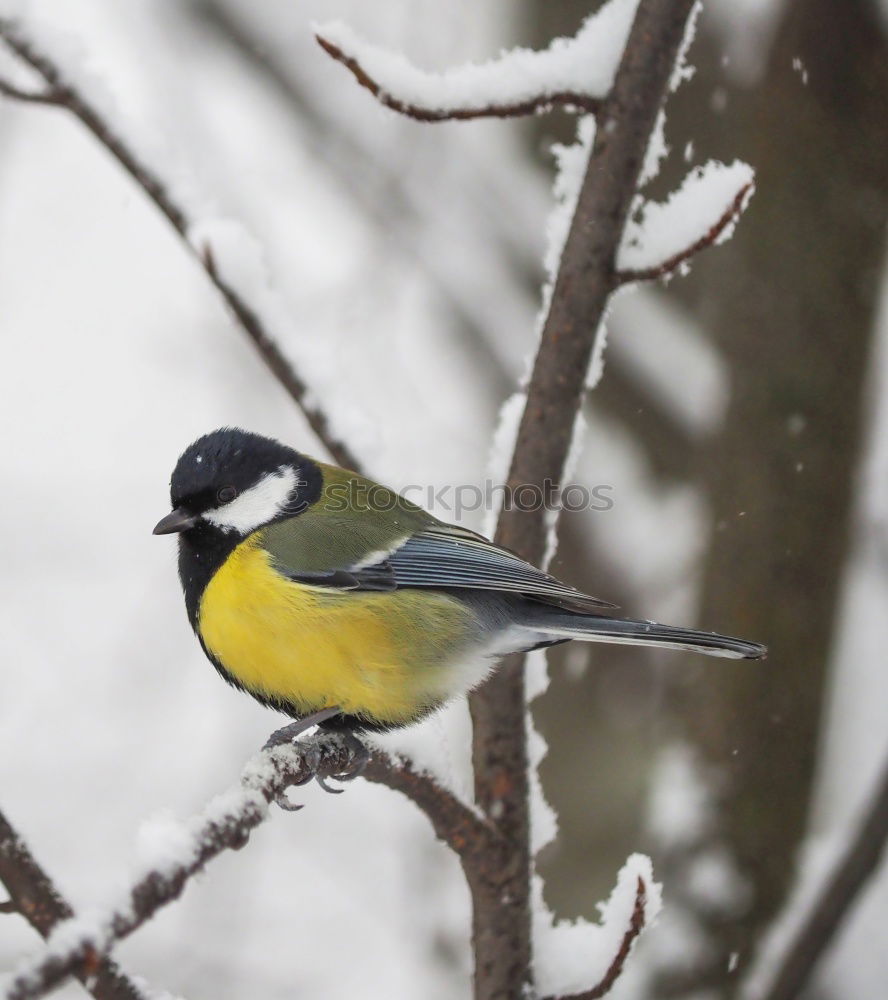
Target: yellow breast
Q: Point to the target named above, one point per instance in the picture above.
(387, 657)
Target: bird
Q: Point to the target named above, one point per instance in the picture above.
(335, 600)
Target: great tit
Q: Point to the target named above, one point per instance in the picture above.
(312, 588)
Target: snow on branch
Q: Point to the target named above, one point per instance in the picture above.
(701, 213)
(574, 73)
(567, 956)
(172, 852)
(35, 897)
(65, 88)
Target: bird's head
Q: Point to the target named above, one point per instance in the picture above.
(233, 482)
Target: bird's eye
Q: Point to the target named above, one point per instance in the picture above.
(226, 494)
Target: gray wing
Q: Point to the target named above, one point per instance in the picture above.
(448, 557)
(444, 556)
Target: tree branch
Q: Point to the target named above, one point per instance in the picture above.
(226, 824)
(708, 239)
(615, 969)
(585, 280)
(469, 834)
(64, 95)
(8, 89)
(394, 202)
(859, 863)
(580, 103)
(36, 898)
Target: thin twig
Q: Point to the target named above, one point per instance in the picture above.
(8, 89)
(263, 782)
(859, 863)
(581, 103)
(67, 96)
(615, 969)
(34, 895)
(708, 239)
(470, 835)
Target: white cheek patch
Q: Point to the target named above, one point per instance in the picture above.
(257, 505)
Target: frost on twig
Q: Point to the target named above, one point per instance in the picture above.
(701, 213)
(69, 88)
(573, 73)
(567, 957)
(172, 852)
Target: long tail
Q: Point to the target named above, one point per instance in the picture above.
(595, 628)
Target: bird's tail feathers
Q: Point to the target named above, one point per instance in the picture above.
(595, 628)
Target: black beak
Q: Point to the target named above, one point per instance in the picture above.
(175, 521)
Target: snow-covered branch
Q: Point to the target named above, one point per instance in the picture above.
(174, 852)
(252, 319)
(638, 919)
(466, 111)
(615, 969)
(574, 73)
(668, 235)
(35, 897)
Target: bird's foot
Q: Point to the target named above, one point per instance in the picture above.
(332, 743)
(317, 751)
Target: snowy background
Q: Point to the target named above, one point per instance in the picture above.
(410, 258)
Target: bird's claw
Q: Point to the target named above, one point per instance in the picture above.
(284, 803)
(360, 755)
(362, 759)
(356, 772)
(322, 781)
(311, 757)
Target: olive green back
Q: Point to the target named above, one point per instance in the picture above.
(352, 519)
